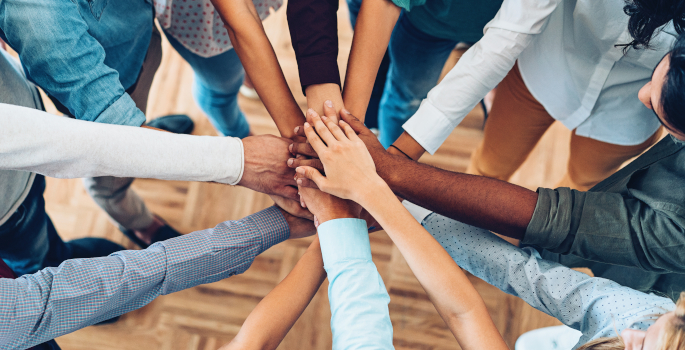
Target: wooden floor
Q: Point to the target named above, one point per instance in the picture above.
(208, 316)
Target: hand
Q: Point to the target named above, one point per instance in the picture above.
(327, 207)
(350, 171)
(266, 170)
(292, 207)
(299, 227)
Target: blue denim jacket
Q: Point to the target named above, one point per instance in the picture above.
(85, 53)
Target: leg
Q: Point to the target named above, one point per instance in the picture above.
(515, 125)
(410, 75)
(217, 82)
(114, 195)
(592, 161)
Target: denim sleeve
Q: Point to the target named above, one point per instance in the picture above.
(609, 228)
(60, 56)
(81, 292)
(594, 306)
(359, 301)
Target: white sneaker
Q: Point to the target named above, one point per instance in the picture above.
(548, 338)
(250, 93)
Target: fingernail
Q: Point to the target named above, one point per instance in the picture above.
(299, 170)
(297, 128)
(323, 117)
(346, 111)
(310, 112)
(306, 125)
(299, 182)
(329, 103)
(290, 147)
(290, 161)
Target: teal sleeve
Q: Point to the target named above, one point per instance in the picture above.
(408, 4)
(359, 301)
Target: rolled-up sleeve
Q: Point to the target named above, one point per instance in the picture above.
(610, 228)
(314, 33)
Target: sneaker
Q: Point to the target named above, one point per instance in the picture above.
(548, 338)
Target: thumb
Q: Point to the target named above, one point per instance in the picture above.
(355, 123)
(312, 174)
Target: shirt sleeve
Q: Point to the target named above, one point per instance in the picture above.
(61, 57)
(36, 141)
(478, 71)
(594, 306)
(359, 301)
(610, 228)
(314, 33)
(81, 292)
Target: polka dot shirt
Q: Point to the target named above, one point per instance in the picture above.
(594, 306)
(198, 26)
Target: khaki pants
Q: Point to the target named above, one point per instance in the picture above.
(114, 195)
(516, 124)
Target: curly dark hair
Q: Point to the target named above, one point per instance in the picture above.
(673, 91)
(649, 16)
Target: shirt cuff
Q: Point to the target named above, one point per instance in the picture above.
(122, 112)
(242, 163)
(430, 127)
(549, 227)
(319, 69)
(272, 226)
(344, 240)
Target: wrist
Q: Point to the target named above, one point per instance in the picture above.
(376, 192)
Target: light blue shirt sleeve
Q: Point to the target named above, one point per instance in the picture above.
(595, 306)
(359, 301)
(81, 292)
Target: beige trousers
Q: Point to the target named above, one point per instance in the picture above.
(516, 123)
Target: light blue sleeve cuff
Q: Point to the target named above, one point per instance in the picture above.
(344, 239)
(122, 112)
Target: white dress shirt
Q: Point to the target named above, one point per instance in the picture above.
(35, 141)
(569, 61)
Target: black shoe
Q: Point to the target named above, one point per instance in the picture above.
(176, 123)
(165, 232)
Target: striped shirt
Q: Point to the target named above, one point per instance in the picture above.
(82, 292)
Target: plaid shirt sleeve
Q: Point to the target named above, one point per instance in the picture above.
(81, 292)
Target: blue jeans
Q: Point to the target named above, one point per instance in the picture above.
(216, 85)
(416, 61)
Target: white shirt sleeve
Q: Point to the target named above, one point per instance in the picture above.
(36, 141)
(478, 71)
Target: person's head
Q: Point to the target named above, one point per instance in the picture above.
(667, 333)
(647, 16)
(665, 93)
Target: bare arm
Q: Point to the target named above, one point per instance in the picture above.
(270, 321)
(375, 23)
(344, 156)
(258, 57)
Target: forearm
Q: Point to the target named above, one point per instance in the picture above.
(270, 321)
(82, 292)
(259, 59)
(476, 200)
(372, 33)
(320, 93)
(36, 141)
(458, 303)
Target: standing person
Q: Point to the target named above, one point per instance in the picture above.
(579, 62)
(599, 308)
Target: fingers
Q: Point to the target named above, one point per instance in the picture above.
(303, 149)
(312, 174)
(348, 131)
(314, 163)
(299, 131)
(314, 139)
(329, 111)
(292, 207)
(320, 127)
(354, 123)
(288, 192)
(305, 182)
